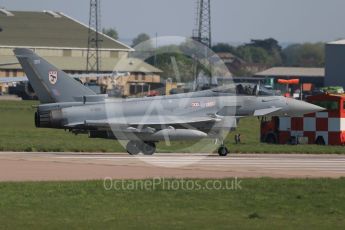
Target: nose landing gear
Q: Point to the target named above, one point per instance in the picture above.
(223, 151)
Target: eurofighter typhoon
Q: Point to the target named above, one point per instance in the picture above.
(67, 104)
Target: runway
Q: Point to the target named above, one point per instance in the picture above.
(15, 166)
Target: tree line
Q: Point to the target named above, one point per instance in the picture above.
(269, 52)
(258, 54)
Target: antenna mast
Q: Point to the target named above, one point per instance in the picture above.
(93, 62)
(202, 31)
(202, 34)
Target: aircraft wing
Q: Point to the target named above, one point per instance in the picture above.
(266, 112)
(140, 121)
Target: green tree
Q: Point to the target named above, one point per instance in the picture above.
(223, 47)
(272, 47)
(111, 32)
(166, 59)
(254, 55)
(305, 55)
(269, 44)
(140, 38)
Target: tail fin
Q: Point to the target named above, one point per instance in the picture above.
(49, 83)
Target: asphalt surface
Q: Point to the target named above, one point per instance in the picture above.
(88, 166)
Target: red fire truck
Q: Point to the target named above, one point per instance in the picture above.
(323, 128)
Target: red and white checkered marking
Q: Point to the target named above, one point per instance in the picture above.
(323, 124)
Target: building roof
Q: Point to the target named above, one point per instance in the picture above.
(133, 65)
(228, 57)
(338, 42)
(292, 72)
(47, 29)
(79, 63)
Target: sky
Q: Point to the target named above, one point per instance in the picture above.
(233, 21)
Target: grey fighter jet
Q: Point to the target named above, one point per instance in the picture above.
(67, 104)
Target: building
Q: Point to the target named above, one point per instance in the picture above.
(61, 40)
(313, 77)
(239, 67)
(335, 63)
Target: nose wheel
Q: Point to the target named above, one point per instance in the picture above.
(223, 151)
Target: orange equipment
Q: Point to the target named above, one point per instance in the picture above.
(288, 82)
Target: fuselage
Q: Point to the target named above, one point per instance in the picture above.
(151, 112)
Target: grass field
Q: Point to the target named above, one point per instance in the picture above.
(17, 133)
(260, 204)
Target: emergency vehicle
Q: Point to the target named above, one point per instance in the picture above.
(323, 128)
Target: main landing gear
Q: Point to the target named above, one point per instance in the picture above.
(149, 148)
(136, 147)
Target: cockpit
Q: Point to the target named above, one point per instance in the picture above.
(245, 89)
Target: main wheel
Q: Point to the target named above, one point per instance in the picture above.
(133, 147)
(148, 148)
(223, 151)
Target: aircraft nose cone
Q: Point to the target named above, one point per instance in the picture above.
(299, 108)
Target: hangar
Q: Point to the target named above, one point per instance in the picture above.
(306, 75)
(335, 63)
(62, 40)
(309, 78)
